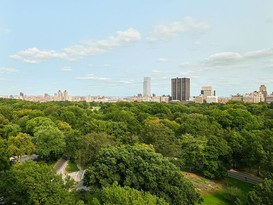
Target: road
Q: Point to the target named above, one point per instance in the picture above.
(60, 166)
(244, 177)
(76, 176)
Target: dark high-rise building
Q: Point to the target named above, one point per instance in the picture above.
(180, 89)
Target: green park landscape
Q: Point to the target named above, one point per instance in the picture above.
(135, 153)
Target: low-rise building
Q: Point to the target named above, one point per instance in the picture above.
(212, 99)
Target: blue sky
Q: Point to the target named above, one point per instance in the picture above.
(108, 47)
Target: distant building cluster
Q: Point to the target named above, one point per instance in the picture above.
(255, 96)
(180, 92)
(208, 95)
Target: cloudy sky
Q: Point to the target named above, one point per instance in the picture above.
(107, 47)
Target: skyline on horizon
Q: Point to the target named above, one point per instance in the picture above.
(107, 48)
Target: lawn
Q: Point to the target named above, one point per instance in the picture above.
(71, 167)
(214, 198)
(212, 191)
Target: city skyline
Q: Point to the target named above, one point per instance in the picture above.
(106, 48)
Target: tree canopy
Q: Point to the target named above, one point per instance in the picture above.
(34, 183)
(141, 168)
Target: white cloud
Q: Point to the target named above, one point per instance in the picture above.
(156, 71)
(5, 70)
(224, 57)
(234, 58)
(92, 77)
(5, 30)
(34, 55)
(66, 69)
(90, 47)
(124, 82)
(162, 60)
(85, 48)
(166, 31)
(106, 65)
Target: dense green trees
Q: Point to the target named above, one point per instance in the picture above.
(90, 146)
(49, 141)
(141, 168)
(209, 138)
(20, 145)
(262, 193)
(34, 183)
(4, 157)
(117, 195)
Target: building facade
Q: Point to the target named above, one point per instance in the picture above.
(147, 87)
(180, 89)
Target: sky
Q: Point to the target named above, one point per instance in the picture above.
(107, 47)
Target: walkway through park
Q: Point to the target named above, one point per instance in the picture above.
(244, 177)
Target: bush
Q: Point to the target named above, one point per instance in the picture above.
(232, 194)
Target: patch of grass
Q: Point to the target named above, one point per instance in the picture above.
(243, 186)
(71, 167)
(218, 197)
(214, 198)
(219, 192)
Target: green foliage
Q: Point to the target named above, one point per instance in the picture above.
(242, 119)
(235, 134)
(262, 193)
(3, 120)
(20, 145)
(123, 116)
(34, 183)
(4, 157)
(73, 138)
(71, 167)
(64, 126)
(198, 125)
(34, 124)
(49, 141)
(142, 169)
(90, 146)
(204, 154)
(219, 195)
(232, 194)
(160, 136)
(117, 195)
(10, 130)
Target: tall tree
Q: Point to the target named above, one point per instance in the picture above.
(33, 125)
(34, 183)
(20, 145)
(89, 147)
(117, 195)
(141, 168)
(262, 194)
(4, 157)
(49, 141)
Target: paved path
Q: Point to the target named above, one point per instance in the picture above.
(76, 176)
(244, 177)
(60, 166)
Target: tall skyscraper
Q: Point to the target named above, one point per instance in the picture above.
(180, 89)
(147, 87)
